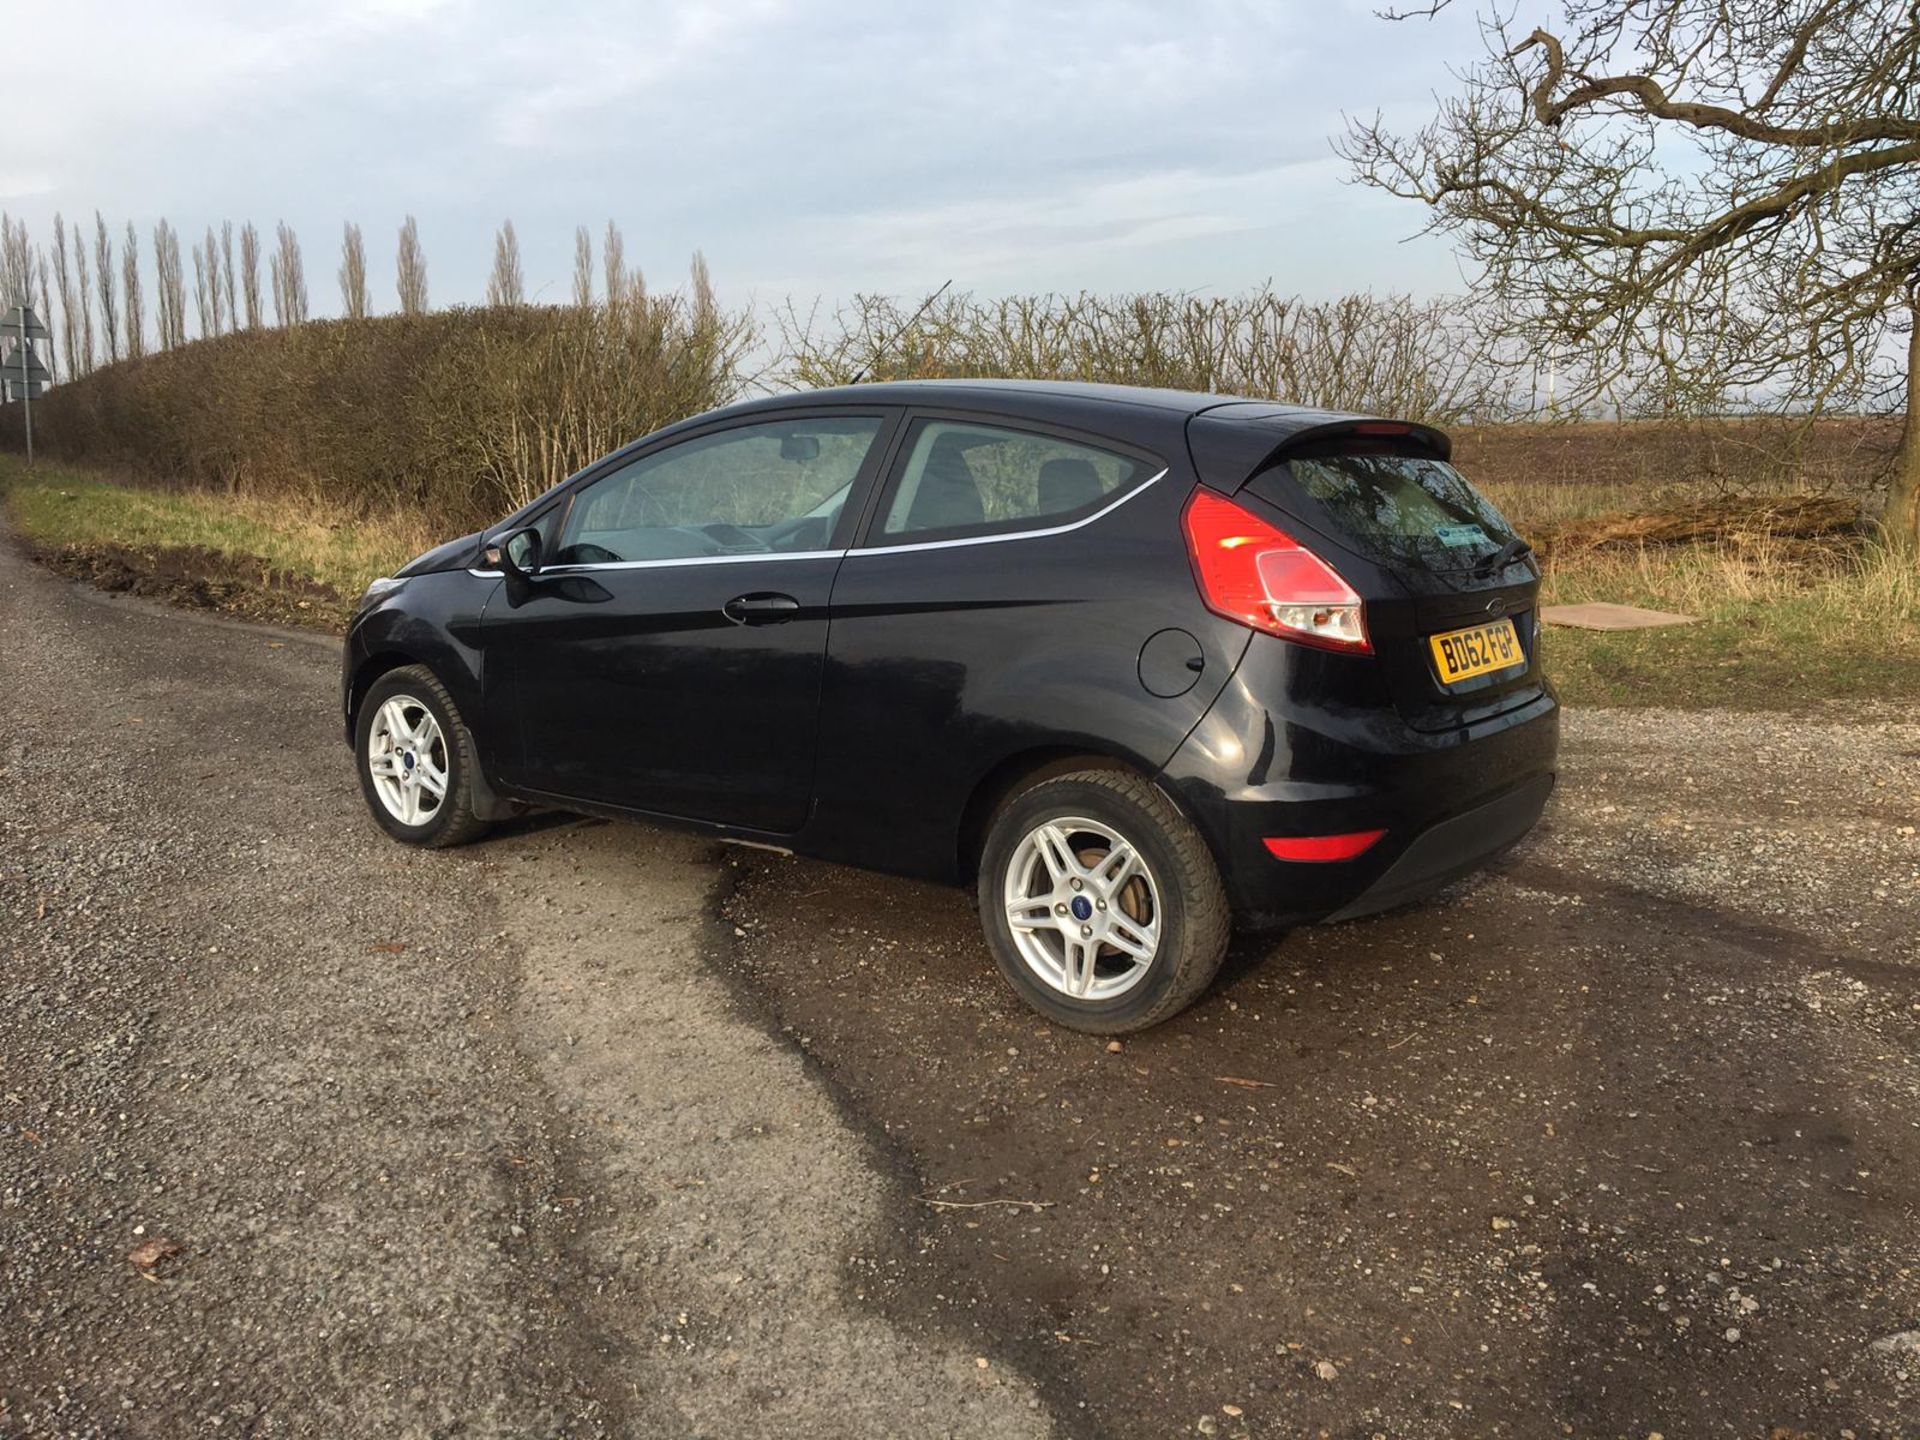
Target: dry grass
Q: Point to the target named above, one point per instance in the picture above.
(1857, 584)
(288, 535)
(1781, 625)
(1782, 622)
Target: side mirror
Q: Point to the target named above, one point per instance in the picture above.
(517, 553)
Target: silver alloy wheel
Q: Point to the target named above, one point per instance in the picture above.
(407, 758)
(1083, 907)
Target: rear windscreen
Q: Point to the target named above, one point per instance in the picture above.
(1403, 507)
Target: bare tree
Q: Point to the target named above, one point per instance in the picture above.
(46, 298)
(290, 283)
(130, 287)
(353, 273)
(104, 277)
(1696, 203)
(1384, 354)
(227, 275)
(83, 286)
(613, 258)
(250, 273)
(705, 307)
(63, 287)
(216, 300)
(505, 285)
(169, 286)
(16, 262)
(582, 267)
(411, 267)
(200, 291)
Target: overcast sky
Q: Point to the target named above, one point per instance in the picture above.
(810, 149)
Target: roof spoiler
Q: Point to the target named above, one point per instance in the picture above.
(1229, 450)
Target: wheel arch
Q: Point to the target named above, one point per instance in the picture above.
(488, 803)
(1013, 774)
(368, 673)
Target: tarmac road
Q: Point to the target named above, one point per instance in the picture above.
(596, 1130)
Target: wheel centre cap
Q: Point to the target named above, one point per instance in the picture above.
(407, 759)
(1082, 908)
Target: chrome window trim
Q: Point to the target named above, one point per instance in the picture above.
(683, 560)
(1044, 531)
(1038, 534)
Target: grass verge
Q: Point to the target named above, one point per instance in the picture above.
(1781, 626)
(268, 558)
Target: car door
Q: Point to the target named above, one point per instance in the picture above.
(667, 654)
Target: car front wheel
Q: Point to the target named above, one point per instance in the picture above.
(416, 760)
(1101, 903)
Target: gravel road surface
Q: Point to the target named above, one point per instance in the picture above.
(471, 1143)
(596, 1130)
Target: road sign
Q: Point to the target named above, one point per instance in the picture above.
(10, 324)
(17, 365)
(25, 378)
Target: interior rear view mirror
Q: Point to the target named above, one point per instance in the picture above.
(800, 448)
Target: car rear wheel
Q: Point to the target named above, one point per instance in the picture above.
(1102, 905)
(416, 760)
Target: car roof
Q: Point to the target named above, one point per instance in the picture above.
(1231, 435)
(1023, 396)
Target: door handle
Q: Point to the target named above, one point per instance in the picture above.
(760, 609)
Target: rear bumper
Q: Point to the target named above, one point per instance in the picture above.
(1297, 746)
(1453, 848)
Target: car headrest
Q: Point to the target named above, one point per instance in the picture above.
(1067, 485)
(949, 494)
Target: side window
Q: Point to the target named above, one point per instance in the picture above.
(769, 488)
(966, 478)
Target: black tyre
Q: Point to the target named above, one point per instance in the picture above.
(1102, 905)
(416, 760)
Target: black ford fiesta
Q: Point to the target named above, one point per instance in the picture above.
(1132, 662)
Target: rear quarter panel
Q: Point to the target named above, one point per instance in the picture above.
(945, 664)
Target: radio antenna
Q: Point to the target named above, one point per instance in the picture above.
(888, 344)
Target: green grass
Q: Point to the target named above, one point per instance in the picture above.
(59, 505)
(1776, 629)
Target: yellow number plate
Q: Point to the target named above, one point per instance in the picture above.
(1463, 654)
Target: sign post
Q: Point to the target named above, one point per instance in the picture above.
(22, 369)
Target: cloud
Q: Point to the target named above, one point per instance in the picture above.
(1059, 230)
(818, 148)
(621, 60)
(20, 184)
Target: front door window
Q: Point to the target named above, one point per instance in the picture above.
(770, 489)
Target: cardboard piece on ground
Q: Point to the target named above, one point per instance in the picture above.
(1605, 615)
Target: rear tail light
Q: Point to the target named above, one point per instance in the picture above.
(1254, 572)
(1323, 847)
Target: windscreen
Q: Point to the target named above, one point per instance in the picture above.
(1403, 507)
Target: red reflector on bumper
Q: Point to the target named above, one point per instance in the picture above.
(1322, 847)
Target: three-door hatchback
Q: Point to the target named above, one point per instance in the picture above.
(1132, 662)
